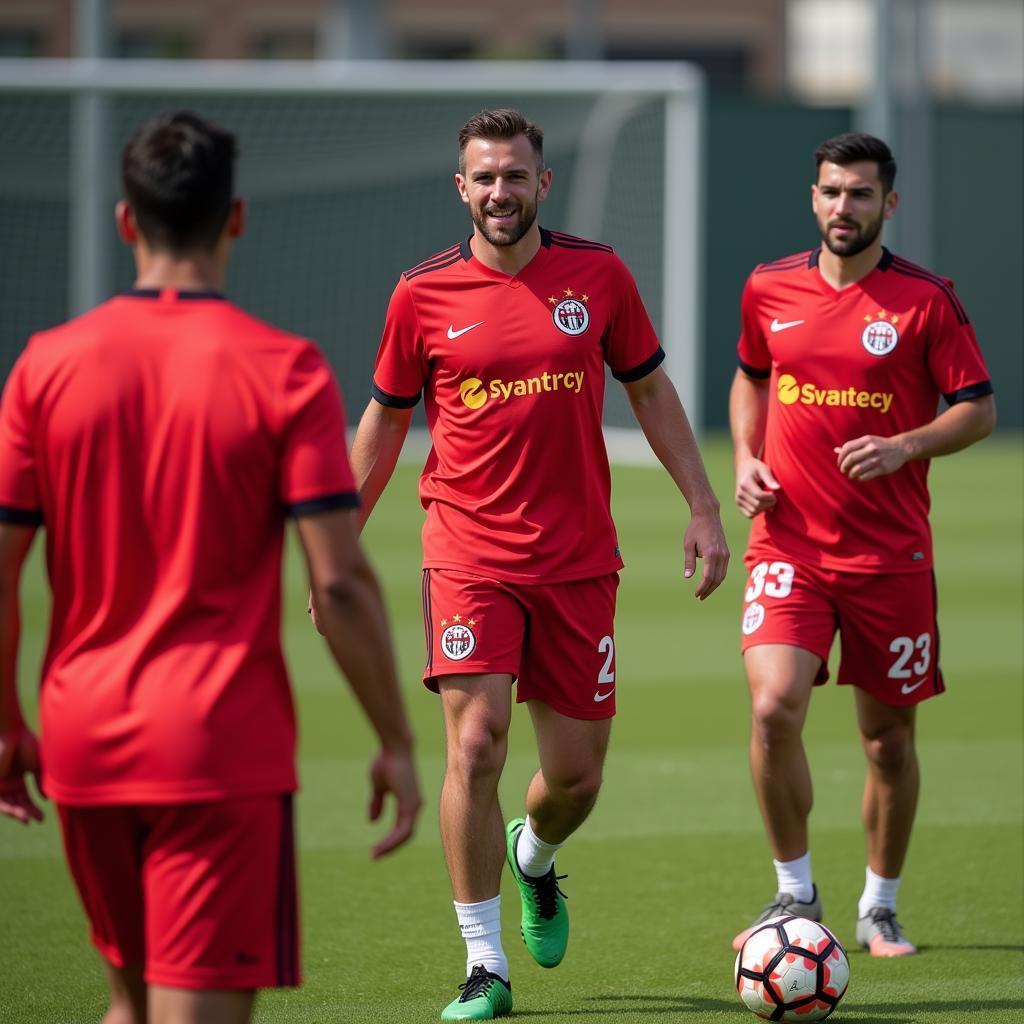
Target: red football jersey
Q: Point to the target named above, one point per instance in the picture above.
(162, 439)
(517, 484)
(873, 358)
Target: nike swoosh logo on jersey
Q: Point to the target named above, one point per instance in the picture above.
(911, 687)
(598, 697)
(776, 326)
(453, 334)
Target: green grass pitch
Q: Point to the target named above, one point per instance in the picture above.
(673, 860)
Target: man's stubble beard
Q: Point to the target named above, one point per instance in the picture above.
(858, 242)
(506, 237)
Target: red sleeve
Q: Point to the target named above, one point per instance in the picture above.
(755, 359)
(315, 474)
(631, 348)
(19, 490)
(401, 369)
(954, 357)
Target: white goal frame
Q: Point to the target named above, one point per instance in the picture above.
(621, 86)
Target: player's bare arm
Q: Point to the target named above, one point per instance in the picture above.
(375, 450)
(865, 458)
(663, 420)
(748, 413)
(19, 750)
(351, 616)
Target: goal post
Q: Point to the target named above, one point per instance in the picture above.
(347, 167)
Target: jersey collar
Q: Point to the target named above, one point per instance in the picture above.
(172, 294)
(467, 252)
(497, 275)
(882, 264)
(812, 264)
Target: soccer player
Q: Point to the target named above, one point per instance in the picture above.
(844, 353)
(162, 440)
(506, 335)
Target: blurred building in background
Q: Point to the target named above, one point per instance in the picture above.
(817, 50)
(739, 42)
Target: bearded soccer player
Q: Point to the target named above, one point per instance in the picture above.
(506, 335)
(844, 354)
(162, 440)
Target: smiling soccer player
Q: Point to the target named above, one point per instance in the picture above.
(507, 335)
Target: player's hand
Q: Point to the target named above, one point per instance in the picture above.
(868, 457)
(311, 608)
(755, 487)
(393, 771)
(19, 755)
(705, 539)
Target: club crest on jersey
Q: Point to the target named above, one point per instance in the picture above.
(458, 641)
(880, 336)
(570, 313)
(753, 617)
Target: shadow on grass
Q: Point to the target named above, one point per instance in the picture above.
(981, 945)
(857, 1013)
(931, 1006)
(643, 1004)
(941, 947)
(636, 1003)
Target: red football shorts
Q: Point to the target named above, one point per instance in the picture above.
(556, 639)
(887, 625)
(203, 895)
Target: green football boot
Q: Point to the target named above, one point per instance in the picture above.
(545, 919)
(484, 997)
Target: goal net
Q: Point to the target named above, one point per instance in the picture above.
(347, 169)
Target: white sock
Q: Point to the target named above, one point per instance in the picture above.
(878, 892)
(794, 877)
(533, 855)
(480, 924)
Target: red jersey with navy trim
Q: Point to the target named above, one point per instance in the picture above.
(162, 439)
(517, 485)
(873, 358)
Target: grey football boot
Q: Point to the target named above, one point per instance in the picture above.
(783, 903)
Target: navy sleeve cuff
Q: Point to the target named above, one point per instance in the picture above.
(641, 371)
(328, 503)
(755, 372)
(978, 390)
(394, 401)
(21, 516)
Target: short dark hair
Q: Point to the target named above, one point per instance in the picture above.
(851, 147)
(178, 173)
(500, 124)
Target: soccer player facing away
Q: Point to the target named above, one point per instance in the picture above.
(506, 335)
(844, 354)
(162, 440)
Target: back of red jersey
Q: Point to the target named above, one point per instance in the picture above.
(873, 358)
(162, 439)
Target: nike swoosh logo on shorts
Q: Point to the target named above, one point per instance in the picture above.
(910, 688)
(453, 334)
(776, 326)
(598, 697)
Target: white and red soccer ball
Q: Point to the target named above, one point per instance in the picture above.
(792, 969)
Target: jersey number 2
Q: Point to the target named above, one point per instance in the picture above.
(606, 646)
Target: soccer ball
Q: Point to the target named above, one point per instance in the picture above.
(792, 969)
